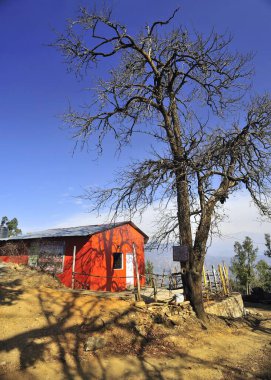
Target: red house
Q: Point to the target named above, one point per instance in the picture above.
(104, 257)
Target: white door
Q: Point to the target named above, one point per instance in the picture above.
(129, 270)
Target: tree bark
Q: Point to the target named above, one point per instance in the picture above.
(192, 278)
(192, 282)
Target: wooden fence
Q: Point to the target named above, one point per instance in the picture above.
(215, 281)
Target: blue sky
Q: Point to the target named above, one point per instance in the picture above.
(40, 176)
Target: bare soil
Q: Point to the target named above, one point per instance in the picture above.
(44, 328)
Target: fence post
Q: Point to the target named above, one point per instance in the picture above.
(215, 279)
(154, 283)
(137, 274)
(209, 282)
(226, 276)
(204, 277)
(73, 265)
(162, 281)
(222, 279)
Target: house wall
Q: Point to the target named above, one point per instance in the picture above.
(18, 259)
(13, 252)
(94, 257)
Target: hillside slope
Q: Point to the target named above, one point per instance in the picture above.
(44, 329)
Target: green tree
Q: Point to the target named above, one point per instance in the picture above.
(12, 225)
(177, 88)
(263, 275)
(268, 245)
(243, 264)
(149, 272)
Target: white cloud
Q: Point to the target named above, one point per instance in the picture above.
(78, 201)
(243, 220)
(243, 216)
(80, 219)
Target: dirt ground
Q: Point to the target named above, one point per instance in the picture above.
(44, 329)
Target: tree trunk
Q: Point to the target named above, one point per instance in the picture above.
(192, 278)
(192, 282)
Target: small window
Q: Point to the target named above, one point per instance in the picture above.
(117, 260)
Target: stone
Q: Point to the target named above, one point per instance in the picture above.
(140, 304)
(176, 321)
(246, 312)
(94, 343)
(230, 307)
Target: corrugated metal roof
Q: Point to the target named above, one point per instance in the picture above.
(73, 231)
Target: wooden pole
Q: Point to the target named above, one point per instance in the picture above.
(73, 265)
(215, 279)
(228, 279)
(154, 282)
(162, 281)
(209, 282)
(137, 274)
(174, 277)
(225, 273)
(222, 279)
(204, 277)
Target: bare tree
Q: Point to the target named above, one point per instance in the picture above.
(173, 87)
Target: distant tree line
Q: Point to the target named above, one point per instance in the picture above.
(247, 272)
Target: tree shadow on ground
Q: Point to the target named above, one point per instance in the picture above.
(9, 295)
(72, 318)
(258, 305)
(9, 290)
(259, 321)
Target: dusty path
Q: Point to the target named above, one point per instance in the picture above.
(43, 332)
